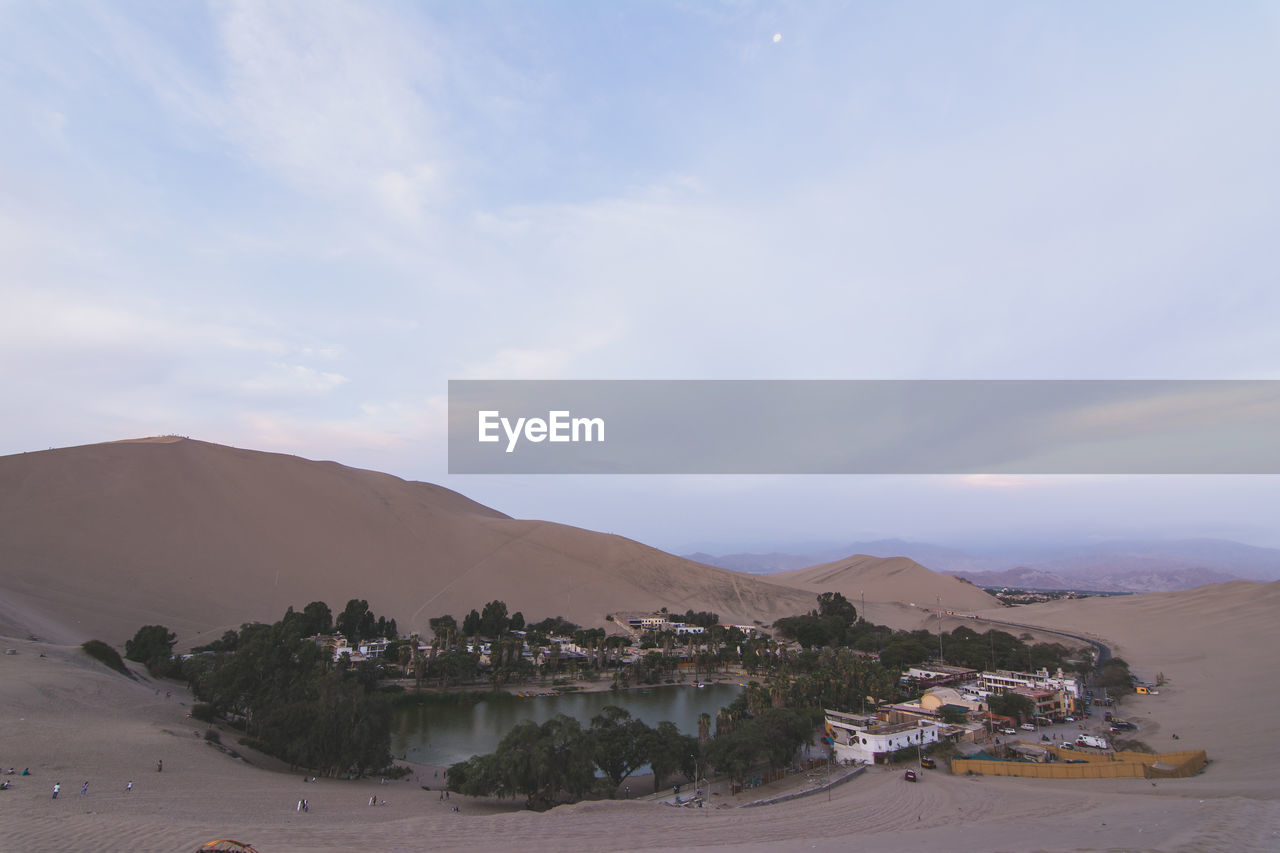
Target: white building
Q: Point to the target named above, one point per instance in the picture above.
(1001, 680)
(856, 738)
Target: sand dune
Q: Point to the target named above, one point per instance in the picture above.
(71, 720)
(888, 579)
(98, 540)
(1215, 645)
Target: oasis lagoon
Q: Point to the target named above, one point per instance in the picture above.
(443, 733)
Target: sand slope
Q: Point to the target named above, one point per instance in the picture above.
(71, 720)
(888, 579)
(1215, 645)
(98, 540)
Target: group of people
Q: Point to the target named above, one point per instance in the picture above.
(84, 789)
(6, 784)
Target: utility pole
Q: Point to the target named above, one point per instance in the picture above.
(940, 629)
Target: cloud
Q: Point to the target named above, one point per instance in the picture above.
(335, 98)
(289, 379)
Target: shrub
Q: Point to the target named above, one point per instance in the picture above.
(105, 655)
(150, 642)
(212, 736)
(203, 712)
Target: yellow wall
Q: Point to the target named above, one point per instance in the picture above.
(1120, 765)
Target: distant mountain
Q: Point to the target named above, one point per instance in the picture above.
(1154, 580)
(936, 557)
(753, 564)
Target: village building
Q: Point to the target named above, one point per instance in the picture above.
(998, 681)
(1052, 704)
(941, 673)
(856, 738)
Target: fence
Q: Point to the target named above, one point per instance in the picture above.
(1119, 765)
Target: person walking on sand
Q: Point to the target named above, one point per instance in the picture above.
(128, 787)
(57, 786)
(85, 789)
(160, 766)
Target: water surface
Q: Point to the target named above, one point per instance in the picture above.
(445, 733)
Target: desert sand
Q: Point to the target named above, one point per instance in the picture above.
(79, 571)
(889, 579)
(70, 720)
(100, 539)
(172, 520)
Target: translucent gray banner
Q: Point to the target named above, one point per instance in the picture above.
(864, 427)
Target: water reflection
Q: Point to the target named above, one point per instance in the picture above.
(445, 733)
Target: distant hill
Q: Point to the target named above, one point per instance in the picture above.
(98, 540)
(1112, 566)
(1153, 580)
(895, 579)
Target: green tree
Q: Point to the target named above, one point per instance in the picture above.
(544, 763)
(669, 750)
(318, 618)
(493, 619)
(354, 619)
(835, 604)
(1010, 704)
(280, 687)
(150, 643)
(471, 624)
(620, 743)
(445, 629)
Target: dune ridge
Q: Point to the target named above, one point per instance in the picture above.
(884, 579)
(112, 536)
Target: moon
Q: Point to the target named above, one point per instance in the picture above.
(777, 37)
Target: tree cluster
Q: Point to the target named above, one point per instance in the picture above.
(556, 761)
(1010, 704)
(703, 618)
(772, 738)
(1115, 677)
(292, 701)
(152, 645)
(356, 622)
(831, 624)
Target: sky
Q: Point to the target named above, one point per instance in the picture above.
(285, 226)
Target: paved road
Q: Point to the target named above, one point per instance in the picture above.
(1104, 651)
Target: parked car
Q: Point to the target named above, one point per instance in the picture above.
(1068, 719)
(1008, 731)
(1068, 746)
(910, 776)
(1027, 727)
(928, 762)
